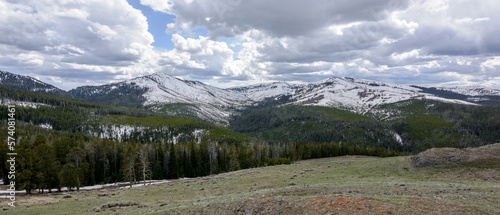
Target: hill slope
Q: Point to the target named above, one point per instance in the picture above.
(412, 125)
(345, 185)
(355, 111)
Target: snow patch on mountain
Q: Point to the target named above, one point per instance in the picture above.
(212, 102)
(35, 105)
(472, 91)
(46, 126)
(121, 132)
(217, 105)
(358, 95)
(260, 92)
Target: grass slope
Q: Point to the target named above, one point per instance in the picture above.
(341, 185)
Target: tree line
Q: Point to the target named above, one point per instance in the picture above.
(51, 162)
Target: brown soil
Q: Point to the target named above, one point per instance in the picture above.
(329, 205)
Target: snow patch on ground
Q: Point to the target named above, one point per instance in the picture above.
(115, 132)
(121, 185)
(397, 137)
(46, 125)
(120, 132)
(6, 102)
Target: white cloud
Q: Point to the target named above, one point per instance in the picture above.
(88, 36)
(158, 5)
(468, 20)
(99, 41)
(405, 55)
(491, 63)
(278, 18)
(199, 58)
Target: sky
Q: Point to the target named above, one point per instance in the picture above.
(228, 43)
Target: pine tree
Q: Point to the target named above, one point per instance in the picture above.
(203, 158)
(27, 170)
(193, 160)
(69, 176)
(4, 149)
(129, 164)
(76, 156)
(172, 163)
(234, 164)
(158, 164)
(48, 175)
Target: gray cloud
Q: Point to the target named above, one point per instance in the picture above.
(279, 17)
(438, 42)
(64, 37)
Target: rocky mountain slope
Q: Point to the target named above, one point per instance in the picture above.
(161, 92)
(164, 93)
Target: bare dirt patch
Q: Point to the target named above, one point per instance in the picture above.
(336, 204)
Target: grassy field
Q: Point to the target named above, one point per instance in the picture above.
(340, 185)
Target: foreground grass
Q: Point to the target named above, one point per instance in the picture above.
(341, 185)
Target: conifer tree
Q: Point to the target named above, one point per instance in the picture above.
(129, 163)
(48, 173)
(158, 164)
(76, 156)
(27, 169)
(172, 163)
(234, 164)
(69, 176)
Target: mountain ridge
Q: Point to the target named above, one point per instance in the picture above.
(357, 95)
(23, 82)
(161, 92)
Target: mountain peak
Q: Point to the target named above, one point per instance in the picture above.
(28, 83)
(165, 93)
(160, 91)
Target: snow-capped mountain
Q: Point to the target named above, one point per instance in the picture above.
(164, 93)
(159, 91)
(22, 82)
(472, 91)
(359, 95)
(260, 92)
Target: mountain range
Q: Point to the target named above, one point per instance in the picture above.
(265, 124)
(161, 92)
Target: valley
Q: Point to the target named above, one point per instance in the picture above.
(249, 107)
(341, 145)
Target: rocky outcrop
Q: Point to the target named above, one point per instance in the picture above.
(437, 156)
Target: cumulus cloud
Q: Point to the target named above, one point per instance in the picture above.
(88, 36)
(426, 42)
(199, 58)
(286, 40)
(278, 18)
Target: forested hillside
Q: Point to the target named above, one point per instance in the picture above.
(409, 126)
(66, 142)
(424, 124)
(22, 82)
